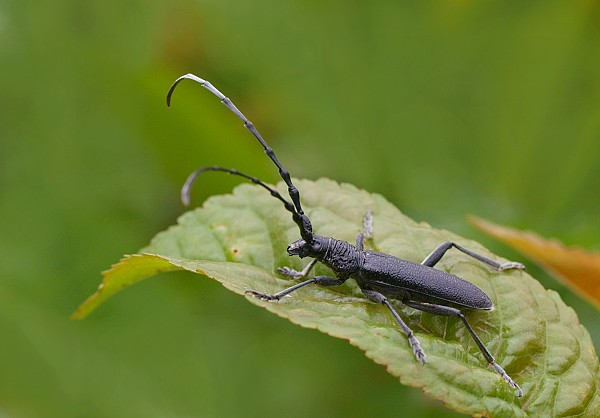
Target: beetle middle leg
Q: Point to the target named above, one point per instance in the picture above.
(449, 311)
(435, 256)
(367, 231)
(414, 343)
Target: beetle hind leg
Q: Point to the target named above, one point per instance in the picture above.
(435, 256)
(449, 311)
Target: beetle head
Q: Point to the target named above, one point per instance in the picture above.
(302, 249)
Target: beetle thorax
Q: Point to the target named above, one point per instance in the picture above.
(341, 257)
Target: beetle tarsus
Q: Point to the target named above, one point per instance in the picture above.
(295, 274)
(508, 379)
(511, 265)
(368, 225)
(262, 296)
(417, 349)
(289, 272)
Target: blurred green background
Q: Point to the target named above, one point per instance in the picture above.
(445, 107)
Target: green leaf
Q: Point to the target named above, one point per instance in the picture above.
(240, 241)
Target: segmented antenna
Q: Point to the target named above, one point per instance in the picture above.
(187, 186)
(298, 215)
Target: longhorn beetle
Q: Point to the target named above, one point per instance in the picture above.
(379, 276)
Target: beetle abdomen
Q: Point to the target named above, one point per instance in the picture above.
(401, 279)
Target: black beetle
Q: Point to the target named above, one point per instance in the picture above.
(380, 276)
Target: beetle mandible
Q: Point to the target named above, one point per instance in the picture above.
(379, 276)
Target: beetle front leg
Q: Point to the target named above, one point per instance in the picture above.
(414, 343)
(319, 280)
(286, 271)
(432, 259)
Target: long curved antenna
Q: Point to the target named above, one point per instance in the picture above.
(187, 187)
(298, 215)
